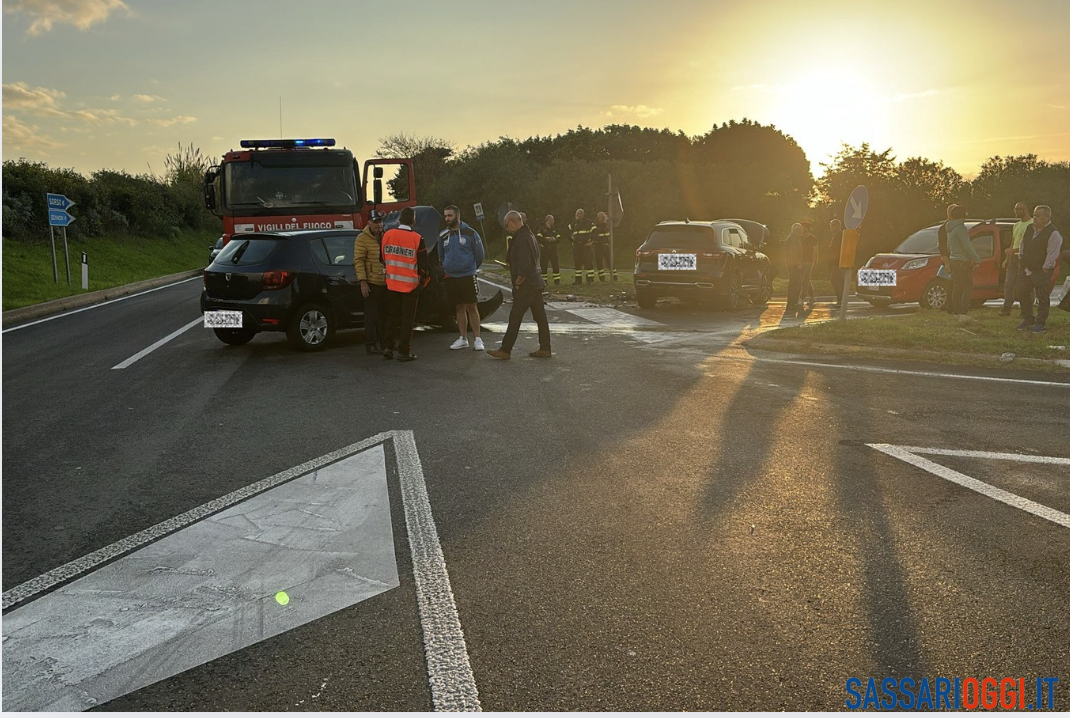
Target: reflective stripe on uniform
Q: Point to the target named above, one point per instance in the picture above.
(403, 278)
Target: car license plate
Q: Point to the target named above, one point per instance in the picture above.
(222, 319)
(876, 277)
(677, 261)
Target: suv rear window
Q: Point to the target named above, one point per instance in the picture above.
(248, 250)
(680, 237)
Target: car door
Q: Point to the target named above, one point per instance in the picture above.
(339, 277)
(745, 260)
(986, 275)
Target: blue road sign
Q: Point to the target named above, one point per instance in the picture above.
(59, 218)
(57, 201)
(857, 204)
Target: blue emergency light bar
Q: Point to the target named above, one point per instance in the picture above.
(285, 144)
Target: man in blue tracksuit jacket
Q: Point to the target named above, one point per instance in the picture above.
(461, 251)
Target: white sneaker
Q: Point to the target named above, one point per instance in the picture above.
(478, 346)
(461, 343)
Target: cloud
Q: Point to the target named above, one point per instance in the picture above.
(22, 136)
(180, 120)
(81, 13)
(101, 116)
(641, 111)
(38, 100)
(147, 99)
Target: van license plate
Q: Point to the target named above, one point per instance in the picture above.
(677, 261)
(222, 319)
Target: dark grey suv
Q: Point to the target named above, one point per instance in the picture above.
(701, 261)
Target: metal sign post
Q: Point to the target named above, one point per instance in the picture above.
(58, 217)
(853, 214)
(615, 213)
(478, 207)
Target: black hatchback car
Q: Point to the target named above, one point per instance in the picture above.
(303, 283)
(702, 261)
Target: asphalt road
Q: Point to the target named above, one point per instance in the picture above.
(654, 519)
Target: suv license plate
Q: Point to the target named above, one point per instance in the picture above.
(222, 319)
(677, 261)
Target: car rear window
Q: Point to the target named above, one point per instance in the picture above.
(242, 251)
(681, 237)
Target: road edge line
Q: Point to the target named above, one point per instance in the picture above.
(453, 685)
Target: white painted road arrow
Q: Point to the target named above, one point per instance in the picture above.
(289, 550)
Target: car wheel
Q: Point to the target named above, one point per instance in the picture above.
(766, 292)
(311, 328)
(936, 295)
(730, 300)
(235, 337)
(646, 299)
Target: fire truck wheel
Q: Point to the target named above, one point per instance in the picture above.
(235, 337)
(311, 328)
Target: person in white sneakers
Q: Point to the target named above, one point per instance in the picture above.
(461, 251)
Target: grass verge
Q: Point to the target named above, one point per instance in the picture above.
(597, 292)
(113, 262)
(984, 335)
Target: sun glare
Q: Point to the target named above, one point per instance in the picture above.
(823, 108)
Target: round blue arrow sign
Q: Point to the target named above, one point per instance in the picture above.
(855, 211)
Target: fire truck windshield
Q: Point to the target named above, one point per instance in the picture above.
(289, 187)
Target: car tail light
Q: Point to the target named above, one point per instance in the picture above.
(713, 255)
(277, 279)
(204, 278)
(643, 253)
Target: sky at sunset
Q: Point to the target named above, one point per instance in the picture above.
(114, 84)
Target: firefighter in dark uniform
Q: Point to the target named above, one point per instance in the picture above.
(600, 241)
(548, 238)
(579, 232)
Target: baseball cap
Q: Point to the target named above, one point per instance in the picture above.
(376, 216)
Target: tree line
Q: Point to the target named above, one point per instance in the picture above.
(108, 202)
(738, 169)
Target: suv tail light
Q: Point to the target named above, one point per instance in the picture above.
(204, 278)
(713, 255)
(277, 279)
(643, 253)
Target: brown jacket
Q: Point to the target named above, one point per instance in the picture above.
(366, 259)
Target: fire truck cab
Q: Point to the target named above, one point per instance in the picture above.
(297, 184)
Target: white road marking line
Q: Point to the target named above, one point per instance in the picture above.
(503, 287)
(229, 581)
(968, 482)
(449, 670)
(95, 306)
(81, 565)
(1027, 458)
(453, 686)
(909, 372)
(144, 352)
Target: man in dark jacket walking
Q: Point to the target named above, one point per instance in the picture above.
(527, 289)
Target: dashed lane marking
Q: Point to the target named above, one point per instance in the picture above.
(909, 454)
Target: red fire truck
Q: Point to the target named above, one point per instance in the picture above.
(286, 185)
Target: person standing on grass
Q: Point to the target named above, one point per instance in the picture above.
(833, 258)
(1038, 256)
(548, 238)
(527, 289)
(460, 249)
(1011, 281)
(809, 259)
(793, 259)
(963, 257)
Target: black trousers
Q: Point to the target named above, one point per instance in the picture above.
(525, 298)
(961, 285)
(548, 254)
(601, 259)
(400, 316)
(375, 314)
(583, 262)
(1036, 284)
